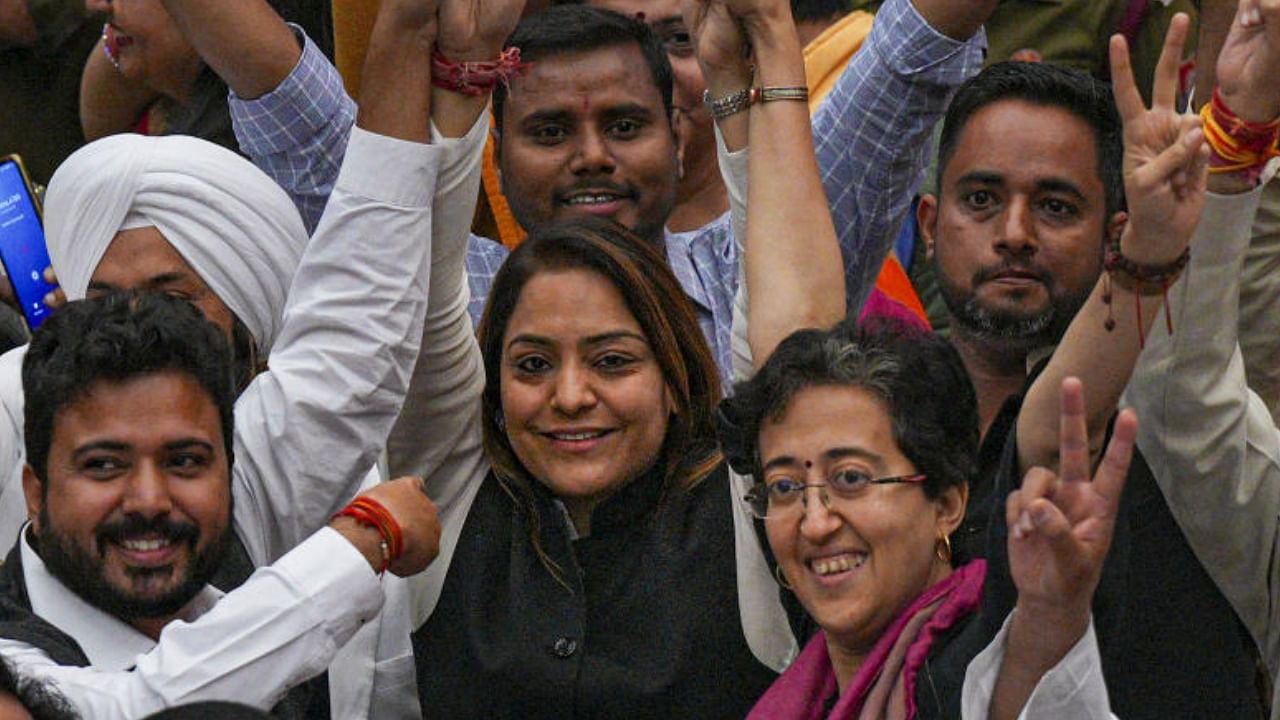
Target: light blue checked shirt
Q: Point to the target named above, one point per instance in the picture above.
(871, 136)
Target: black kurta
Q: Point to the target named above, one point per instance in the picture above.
(1171, 644)
(643, 623)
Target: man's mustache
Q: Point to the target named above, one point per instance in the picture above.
(133, 526)
(1012, 268)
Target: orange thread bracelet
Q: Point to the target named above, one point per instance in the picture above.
(1238, 146)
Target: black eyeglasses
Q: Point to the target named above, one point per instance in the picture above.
(786, 496)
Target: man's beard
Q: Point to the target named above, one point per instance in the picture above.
(84, 574)
(1012, 328)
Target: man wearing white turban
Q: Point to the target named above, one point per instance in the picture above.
(337, 320)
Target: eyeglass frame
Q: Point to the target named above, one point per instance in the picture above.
(823, 495)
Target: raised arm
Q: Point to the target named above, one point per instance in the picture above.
(439, 425)
(1165, 164)
(792, 262)
(1045, 659)
(872, 133)
(437, 434)
(312, 426)
(245, 42)
(1211, 442)
(289, 109)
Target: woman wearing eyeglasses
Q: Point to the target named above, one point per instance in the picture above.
(866, 440)
(862, 442)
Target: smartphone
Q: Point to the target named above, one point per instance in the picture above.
(22, 246)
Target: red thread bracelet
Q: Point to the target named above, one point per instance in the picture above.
(1238, 146)
(475, 78)
(386, 522)
(367, 511)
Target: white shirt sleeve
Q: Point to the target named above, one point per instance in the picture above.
(309, 429)
(282, 627)
(1074, 688)
(437, 435)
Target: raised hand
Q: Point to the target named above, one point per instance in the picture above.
(718, 40)
(1060, 526)
(1249, 62)
(1165, 158)
(474, 30)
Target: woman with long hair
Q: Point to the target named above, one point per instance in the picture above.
(597, 559)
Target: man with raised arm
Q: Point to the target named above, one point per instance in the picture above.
(1021, 231)
(291, 113)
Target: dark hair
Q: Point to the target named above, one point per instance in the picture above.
(41, 699)
(1050, 86)
(917, 375)
(114, 338)
(819, 10)
(563, 29)
(652, 294)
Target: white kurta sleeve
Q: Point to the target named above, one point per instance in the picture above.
(764, 620)
(1210, 442)
(1074, 688)
(309, 429)
(733, 168)
(282, 627)
(437, 435)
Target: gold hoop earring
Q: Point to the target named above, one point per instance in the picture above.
(942, 548)
(782, 579)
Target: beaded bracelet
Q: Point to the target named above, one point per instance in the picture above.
(476, 78)
(1142, 280)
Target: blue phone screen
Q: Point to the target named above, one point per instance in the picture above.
(22, 247)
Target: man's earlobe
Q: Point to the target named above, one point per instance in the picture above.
(681, 129)
(33, 493)
(927, 221)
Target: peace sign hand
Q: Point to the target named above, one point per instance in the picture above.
(1165, 158)
(1061, 525)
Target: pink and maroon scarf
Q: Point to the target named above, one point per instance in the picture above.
(884, 688)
